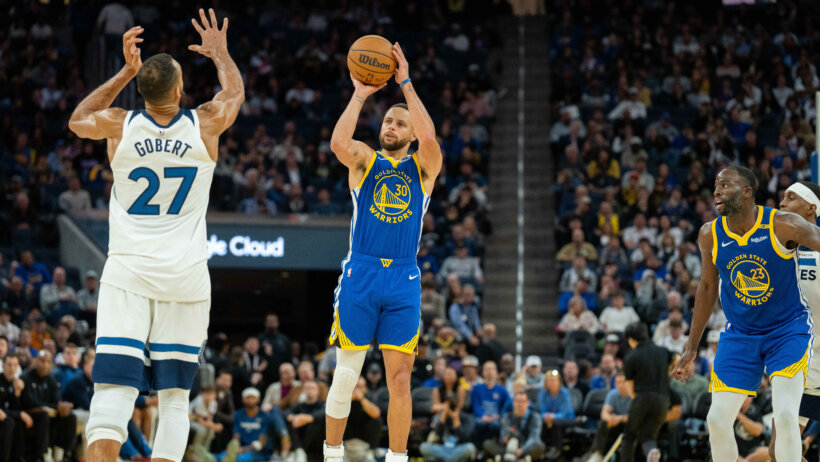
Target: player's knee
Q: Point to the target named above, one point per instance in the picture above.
(716, 420)
(786, 420)
(341, 391)
(173, 401)
(111, 409)
(399, 382)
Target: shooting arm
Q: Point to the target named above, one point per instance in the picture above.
(429, 154)
(353, 154)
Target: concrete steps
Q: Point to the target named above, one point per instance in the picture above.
(540, 294)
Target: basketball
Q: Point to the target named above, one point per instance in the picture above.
(371, 60)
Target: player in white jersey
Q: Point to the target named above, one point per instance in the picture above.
(155, 294)
(803, 198)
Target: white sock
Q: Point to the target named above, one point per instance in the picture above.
(786, 396)
(334, 452)
(395, 457)
(721, 424)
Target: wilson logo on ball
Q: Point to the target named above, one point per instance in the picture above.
(371, 61)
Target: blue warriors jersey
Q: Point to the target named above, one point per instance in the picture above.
(758, 287)
(389, 205)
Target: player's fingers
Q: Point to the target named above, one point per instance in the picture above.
(214, 24)
(225, 25)
(195, 48)
(197, 26)
(133, 31)
(205, 24)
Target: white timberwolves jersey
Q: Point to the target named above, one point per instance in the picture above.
(162, 178)
(809, 282)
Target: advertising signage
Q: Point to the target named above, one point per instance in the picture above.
(277, 247)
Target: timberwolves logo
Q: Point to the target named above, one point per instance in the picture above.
(751, 280)
(391, 197)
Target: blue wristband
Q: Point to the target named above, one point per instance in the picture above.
(404, 81)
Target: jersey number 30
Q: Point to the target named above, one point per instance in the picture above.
(141, 205)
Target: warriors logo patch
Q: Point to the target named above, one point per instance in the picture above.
(391, 197)
(751, 280)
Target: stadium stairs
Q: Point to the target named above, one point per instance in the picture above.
(540, 294)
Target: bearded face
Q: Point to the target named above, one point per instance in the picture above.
(397, 131)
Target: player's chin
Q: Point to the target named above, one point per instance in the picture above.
(392, 143)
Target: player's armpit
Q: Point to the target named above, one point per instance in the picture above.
(213, 118)
(98, 125)
(430, 157)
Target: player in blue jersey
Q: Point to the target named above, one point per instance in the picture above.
(748, 261)
(379, 291)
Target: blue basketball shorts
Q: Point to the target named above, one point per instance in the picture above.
(148, 344)
(742, 358)
(377, 297)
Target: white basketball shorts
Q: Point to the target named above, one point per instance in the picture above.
(148, 344)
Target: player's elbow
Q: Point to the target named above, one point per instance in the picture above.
(339, 145)
(78, 127)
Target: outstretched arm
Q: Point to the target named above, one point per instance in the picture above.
(792, 227)
(93, 118)
(705, 299)
(429, 150)
(352, 153)
(220, 113)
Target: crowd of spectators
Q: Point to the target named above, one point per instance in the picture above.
(276, 159)
(259, 393)
(650, 100)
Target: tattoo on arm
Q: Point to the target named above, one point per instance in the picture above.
(359, 99)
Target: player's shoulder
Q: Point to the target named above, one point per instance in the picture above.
(706, 229)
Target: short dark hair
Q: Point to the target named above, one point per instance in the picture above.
(157, 77)
(401, 105)
(87, 356)
(747, 175)
(637, 331)
(813, 186)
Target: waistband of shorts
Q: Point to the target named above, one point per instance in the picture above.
(382, 261)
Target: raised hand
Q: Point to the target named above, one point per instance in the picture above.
(130, 51)
(402, 68)
(364, 90)
(214, 40)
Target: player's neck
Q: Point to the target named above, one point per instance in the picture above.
(398, 154)
(162, 113)
(741, 223)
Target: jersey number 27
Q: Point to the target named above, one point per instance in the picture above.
(141, 205)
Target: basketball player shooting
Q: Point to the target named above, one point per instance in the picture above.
(379, 291)
(155, 294)
(748, 260)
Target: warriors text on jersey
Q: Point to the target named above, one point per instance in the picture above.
(162, 178)
(758, 277)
